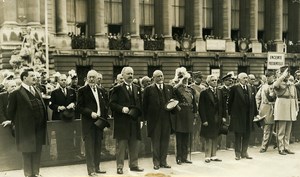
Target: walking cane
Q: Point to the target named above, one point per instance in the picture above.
(191, 138)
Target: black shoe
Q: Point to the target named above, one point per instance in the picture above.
(178, 162)
(216, 160)
(120, 171)
(155, 167)
(187, 161)
(207, 160)
(288, 151)
(137, 169)
(247, 157)
(262, 150)
(165, 166)
(100, 171)
(93, 174)
(281, 152)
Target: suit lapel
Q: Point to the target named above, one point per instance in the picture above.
(125, 91)
(241, 92)
(249, 89)
(25, 96)
(166, 92)
(40, 95)
(211, 95)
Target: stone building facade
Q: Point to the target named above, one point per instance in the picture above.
(226, 35)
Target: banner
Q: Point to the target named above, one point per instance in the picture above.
(275, 60)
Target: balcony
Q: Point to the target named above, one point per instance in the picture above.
(82, 42)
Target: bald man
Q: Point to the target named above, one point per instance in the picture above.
(124, 98)
(158, 118)
(92, 105)
(242, 109)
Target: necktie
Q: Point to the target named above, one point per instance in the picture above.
(94, 88)
(31, 89)
(160, 87)
(129, 88)
(215, 91)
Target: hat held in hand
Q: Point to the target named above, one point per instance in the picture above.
(134, 112)
(67, 115)
(259, 120)
(101, 123)
(172, 104)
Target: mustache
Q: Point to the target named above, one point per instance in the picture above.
(130, 77)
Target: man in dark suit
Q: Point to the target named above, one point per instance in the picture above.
(91, 105)
(28, 113)
(63, 101)
(62, 98)
(242, 109)
(126, 103)
(10, 86)
(158, 118)
(212, 113)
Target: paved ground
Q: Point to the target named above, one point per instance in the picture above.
(269, 164)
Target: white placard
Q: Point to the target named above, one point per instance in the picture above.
(275, 60)
(215, 44)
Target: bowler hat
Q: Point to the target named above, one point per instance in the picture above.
(67, 115)
(134, 112)
(101, 123)
(171, 104)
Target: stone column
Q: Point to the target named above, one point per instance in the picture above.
(61, 17)
(298, 25)
(198, 25)
(10, 12)
(253, 26)
(170, 44)
(226, 26)
(278, 10)
(33, 12)
(101, 39)
(134, 25)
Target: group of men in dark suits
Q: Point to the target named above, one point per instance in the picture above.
(130, 105)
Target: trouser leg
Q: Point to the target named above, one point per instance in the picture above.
(287, 136)
(120, 152)
(133, 150)
(208, 147)
(281, 126)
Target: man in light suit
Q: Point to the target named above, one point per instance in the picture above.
(28, 113)
(125, 99)
(242, 109)
(91, 105)
(158, 118)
